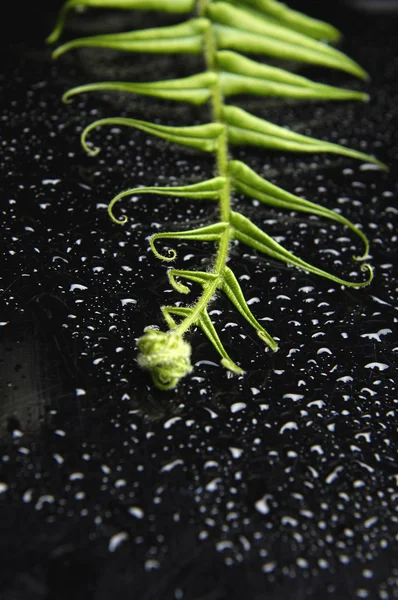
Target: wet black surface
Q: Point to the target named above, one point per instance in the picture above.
(278, 484)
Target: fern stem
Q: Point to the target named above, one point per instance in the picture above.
(208, 293)
(210, 288)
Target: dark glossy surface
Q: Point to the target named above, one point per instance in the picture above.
(278, 484)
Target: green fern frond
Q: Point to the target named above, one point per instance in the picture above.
(202, 137)
(247, 232)
(246, 129)
(183, 38)
(204, 190)
(223, 32)
(246, 181)
(177, 6)
(297, 21)
(241, 75)
(195, 89)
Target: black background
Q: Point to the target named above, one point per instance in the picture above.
(278, 484)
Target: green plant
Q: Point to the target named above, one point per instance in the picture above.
(223, 32)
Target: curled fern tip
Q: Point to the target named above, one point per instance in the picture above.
(166, 355)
